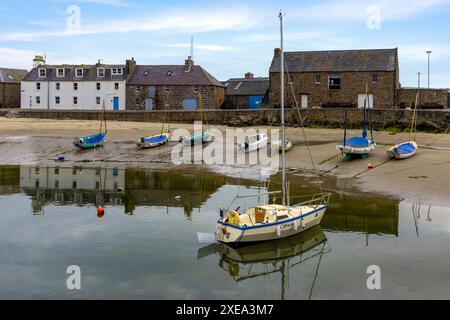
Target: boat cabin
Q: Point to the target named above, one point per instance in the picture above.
(265, 214)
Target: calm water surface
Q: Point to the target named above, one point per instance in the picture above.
(145, 246)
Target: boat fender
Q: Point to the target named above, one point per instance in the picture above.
(278, 231)
(100, 212)
(233, 218)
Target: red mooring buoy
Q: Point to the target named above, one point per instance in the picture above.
(100, 212)
(370, 166)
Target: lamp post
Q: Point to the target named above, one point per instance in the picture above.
(429, 53)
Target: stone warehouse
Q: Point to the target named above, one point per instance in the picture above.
(173, 87)
(79, 87)
(10, 87)
(337, 78)
(246, 93)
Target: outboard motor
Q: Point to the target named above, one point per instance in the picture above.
(222, 212)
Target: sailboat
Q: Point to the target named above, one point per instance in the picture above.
(270, 222)
(95, 140)
(204, 136)
(156, 140)
(359, 145)
(407, 149)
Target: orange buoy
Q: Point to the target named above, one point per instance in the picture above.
(370, 166)
(100, 212)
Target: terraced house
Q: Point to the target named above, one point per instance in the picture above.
(10, 87)
(75, 87)
(173, 87)
(337, 78)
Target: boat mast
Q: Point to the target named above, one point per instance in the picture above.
(283, 133)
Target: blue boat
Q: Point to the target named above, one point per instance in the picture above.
(95, 140)
(153, 141)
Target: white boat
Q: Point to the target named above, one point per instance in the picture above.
(254, 142)
(271, 222)
(279, 146)
(407, 149)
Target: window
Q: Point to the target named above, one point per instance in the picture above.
(117, 71)
(60, 72)
(169, 73)
(75, 100)
(38, 86)
(374, 78)
(57, 100)
(56, 184)
(196, 89)
(97, 100)
(116, 86)
(100, 72)
(42, 72)
(79, 72)
(75, 86)
(38, 100)
(190, 104)
(317, 79)
(56, 171)
(334, 82)
(74, 185)
(58, 86)
(98, 86)
(36, 183)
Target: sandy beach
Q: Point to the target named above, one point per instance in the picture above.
(423, 178)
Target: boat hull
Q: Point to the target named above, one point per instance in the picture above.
(279, 146)
(396, 152)
(354, 150)
(201, 138)
(153, 141)
(254, 145)
(235, 235)
(90, 142)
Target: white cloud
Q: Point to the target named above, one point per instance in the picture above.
(16, 58)
(185, 21)
(417, 52)
(116, 3)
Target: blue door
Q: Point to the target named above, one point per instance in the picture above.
(116, 103)
(255, 102)
(190, 104)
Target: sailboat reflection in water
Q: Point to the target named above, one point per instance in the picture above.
(266, 258)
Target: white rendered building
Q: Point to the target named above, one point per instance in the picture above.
(75, 87)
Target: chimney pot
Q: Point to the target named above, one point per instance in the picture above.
(277, 52)
(249, 75)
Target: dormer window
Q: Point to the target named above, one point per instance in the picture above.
(79, 72)
(42, 72)
(60, 72)
(117, 71)
(100, 72)
(169, 73)
(146, 73)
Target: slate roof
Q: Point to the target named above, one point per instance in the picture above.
(153, 75)
(89, 73)
(338, 61)
(12, 75)
(247, 87)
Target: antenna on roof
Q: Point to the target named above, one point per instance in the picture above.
(192, 47)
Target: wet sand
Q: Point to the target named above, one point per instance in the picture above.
(424, 178)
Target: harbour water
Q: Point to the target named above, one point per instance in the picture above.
(146, 247)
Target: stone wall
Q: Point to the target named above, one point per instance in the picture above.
(436, 120)
(171, 97)
(428, 98)
(352, 84)
(9, 95)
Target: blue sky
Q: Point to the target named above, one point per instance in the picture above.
(231, 37)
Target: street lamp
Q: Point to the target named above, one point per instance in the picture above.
(429, 53)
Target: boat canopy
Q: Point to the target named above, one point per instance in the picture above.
(357, 142)
(405, 148)
(96, 138)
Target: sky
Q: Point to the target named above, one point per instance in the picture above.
(230, 37)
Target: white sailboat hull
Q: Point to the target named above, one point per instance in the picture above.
(254, 143)
(232, 234)
(356, 150)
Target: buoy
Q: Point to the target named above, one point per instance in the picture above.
(100, 212)
(370, 166)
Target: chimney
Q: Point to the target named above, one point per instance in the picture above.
(277, 52)
(188, 63)
(99, 63)
(249, 75)
(38, 61)
(131, 65)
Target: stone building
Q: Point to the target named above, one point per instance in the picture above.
(337, 78)
(173, 87)
(246, 93)
(10, 87)
(428, 98)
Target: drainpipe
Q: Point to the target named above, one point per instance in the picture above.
(48, 95)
